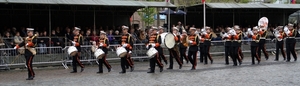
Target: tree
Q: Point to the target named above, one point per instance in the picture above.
(147, 15)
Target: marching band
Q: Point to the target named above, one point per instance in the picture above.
(178, 44)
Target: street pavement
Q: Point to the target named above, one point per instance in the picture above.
(267, 73)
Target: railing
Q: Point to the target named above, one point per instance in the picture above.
(9, 58)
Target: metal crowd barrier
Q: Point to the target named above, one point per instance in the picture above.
(9, 58)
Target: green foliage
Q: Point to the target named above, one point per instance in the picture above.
(244, 1)
(147, 15)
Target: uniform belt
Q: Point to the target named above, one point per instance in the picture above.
(208, 39)
(290, 37)
(262, 37)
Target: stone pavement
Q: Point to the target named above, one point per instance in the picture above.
(268, 73)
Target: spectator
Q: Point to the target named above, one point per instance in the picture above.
(117, 37)
(180, 27)
(58, 32)
(87, 37)
(69, 36)
(133, 34)
(23, 32)
(110, 36)
(42, 42)
(54, 39)
(142, 37)
(94, 37)
(17, 38)
(8, 39)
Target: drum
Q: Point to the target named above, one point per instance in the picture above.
(151, 52)
(99, 53)
(121, 52)
(169, 40)
(263, 23)
(72, 51)
(21, 50)
(163, 38)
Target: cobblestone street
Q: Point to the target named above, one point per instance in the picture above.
(268, 73)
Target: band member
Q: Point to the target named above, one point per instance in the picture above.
(193, 47)
(237, 39)
(291, 42)
(183, 46)
(160, 49)
(154, 42)
(201, 45)
(127, 43)
(77, 42)
(30, 51)
(174, 52)
(228, 40)
(280, 35)
(254, 44)
(207, 44)
(262, 43)
(103, 44)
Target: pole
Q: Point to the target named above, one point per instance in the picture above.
(169, 20)
(94, 20)
(49, 25)
(204, 16)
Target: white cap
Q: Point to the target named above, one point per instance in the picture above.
(236, 27)
(192, 28)
(154, 28)
(290, 25)
(183, 31)
(160, 27)
(102, 32)
(29, 29)
(124, 27)
(255, 28)
(76, 28)
(175, 28)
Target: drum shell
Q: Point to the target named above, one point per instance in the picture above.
(121, 52)
(151, 52)
(99, 54)
(169, 40)
(72, 51)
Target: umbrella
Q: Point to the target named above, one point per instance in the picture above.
(167, 12)
(180, 12)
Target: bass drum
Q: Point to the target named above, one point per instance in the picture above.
(162, 36)
(169, 40)
(263, 23)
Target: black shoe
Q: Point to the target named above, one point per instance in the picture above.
(295, 60)
(276, 60)
(258, 62)
(161, 69)
(235, 65)
(284, 59)
(205, 63)
(226, 63)
(288, 61)
(193, 69)
(132, 68)
(109, 69)
(169, 68)
(166, 62)
(150, 72)
(267, 58)
(73, 72)
(122, 72)
(30, 78)
(180, 66)
(127, 67)
(100, 72)
(82, 69)
(201, 61)
(212, 61)
(240, 63)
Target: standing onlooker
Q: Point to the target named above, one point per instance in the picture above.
(110, 36)
(8, 39)
(17, 38)
(180, 27)
(87, 37)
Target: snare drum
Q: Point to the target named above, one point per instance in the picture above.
(121, 52)
(99, 53)
(72, 51)
(151, 52)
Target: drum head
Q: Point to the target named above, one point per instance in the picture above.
(169, 40)
(163, 35)
(263, 22)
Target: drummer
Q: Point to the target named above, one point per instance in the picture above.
(103, 44)
(77, 42)
(160, 49)
(193, 47)
(127, 43)
(154, 42)
(174, 52)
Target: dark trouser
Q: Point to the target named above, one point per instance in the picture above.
(201, 53)
(206, 53)
(227, 54)
(193, 59)
(29, 66)
(126, 61)
(174, 54)
(262, 46)
(76, 61)
(290, 48)
(241, 55)
(234, 54)
(161, 55)
(129, 62)
(103, 61)
(279, 45)
(254, 54)
(154, 60)
(183, 55)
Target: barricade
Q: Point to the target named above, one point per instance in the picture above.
(9, 58)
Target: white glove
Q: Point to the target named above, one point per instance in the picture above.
(153, 45)
(129, 52)
(73, 43)
(15, 47)
(124, 45)
(251, 33)
(101, 44)
(26, 44)
(147, 46)
(191, 41)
